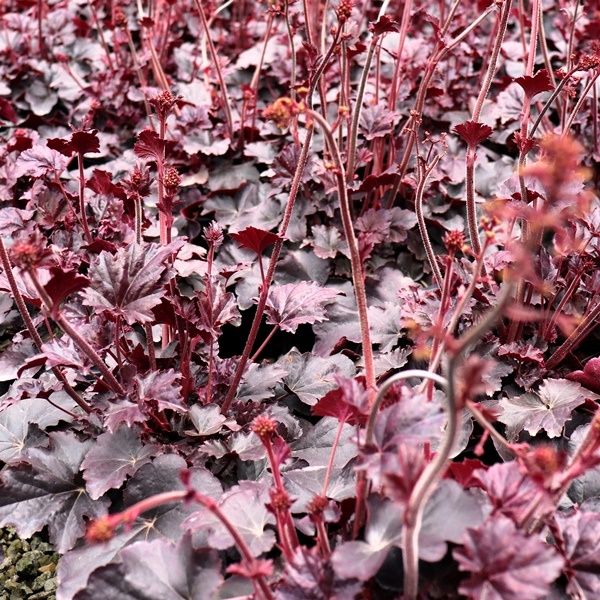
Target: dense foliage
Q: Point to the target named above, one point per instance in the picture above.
(300, 299)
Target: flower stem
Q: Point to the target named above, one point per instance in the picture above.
(424, 171)
(358, 278)
(215, 58)
(86, 229)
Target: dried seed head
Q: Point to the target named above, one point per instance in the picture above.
(119, 18)
(264, 427)
(280, 500)
(164, 103)
(344, 10)
(30, 252)
(317, 505)
(213, 234)
(454, 241)
(282, 111)
(171, 179)
(100, 530)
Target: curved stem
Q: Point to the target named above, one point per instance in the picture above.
(352, 138)
(358, 279)
(579, 104)
(424, 173)
(385, 386)
(435, 470)
(264, 290)
(492, 65)
(215, 58)
(86, 229)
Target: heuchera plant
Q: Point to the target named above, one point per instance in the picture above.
(301, 299)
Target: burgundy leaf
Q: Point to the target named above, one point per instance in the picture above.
(473, 132)
(348, 403)
(536, 84)
(257, 240)
(60, 145)
(85, 142)
(384, 24)
(63, 283)
(589, 377)
(506, 564)
(150, 146)
(101, 183)
(7, 112)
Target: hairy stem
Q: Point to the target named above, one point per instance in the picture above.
(424, 173)
(358, 278)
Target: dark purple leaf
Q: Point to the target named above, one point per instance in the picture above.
(15, 421)
(362, 559)
(129, 283)
(384, 24)
(506, 564)
(160, 390)
(114, 457)
(510, 490)
(48, 490)
(377, 121)
(80, 142)
(309, 577)
(64, 282)
(13, 220)
(157, 569)
(311, 377)
(39, 160)
(293, 304)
